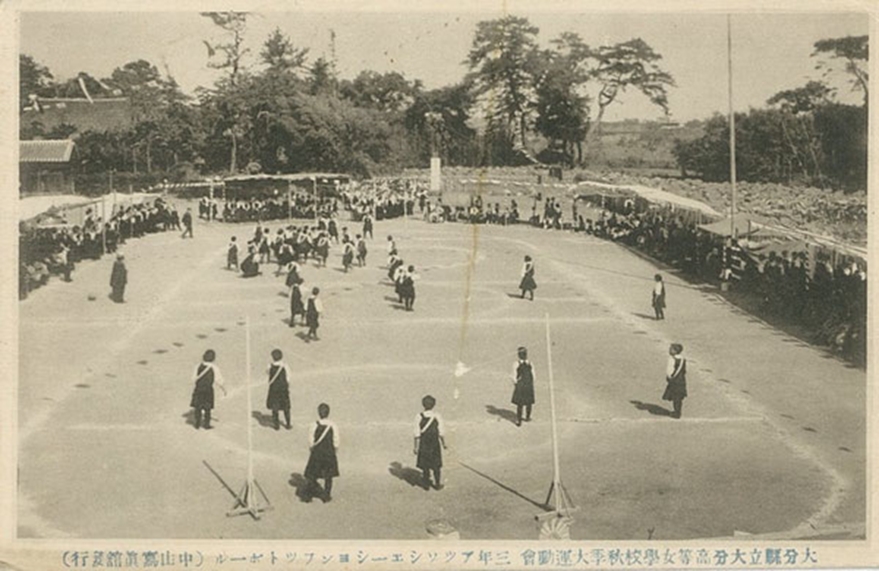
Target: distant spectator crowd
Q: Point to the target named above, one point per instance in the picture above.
(55, 250)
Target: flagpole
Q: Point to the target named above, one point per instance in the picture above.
(556, 479)
(732, 130)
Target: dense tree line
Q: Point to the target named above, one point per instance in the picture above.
(287, 112)
(803, 135)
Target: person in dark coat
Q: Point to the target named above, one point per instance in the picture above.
(523, 386)
(187, 223)
(118, 279)
(232, 255)
(429, 438)
(676, 378)
(659, 297)
(527, 284)
(204, 377)
(323, 444)
(278, 398)
(313, 310)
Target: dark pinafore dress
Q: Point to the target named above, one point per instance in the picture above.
(279, 389)
(322, 461)
(523, 393)
(203, 393)
(430, 455)
(528, 283)
(676, 384)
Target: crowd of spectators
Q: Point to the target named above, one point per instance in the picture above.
(55, 250)
(827, 296)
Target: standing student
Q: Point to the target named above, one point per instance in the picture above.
(118, 279)
(297, 305)
(367, 225)
(527, 283)
(322, 248)
(204, 377)
(361, 251)
(278, 398)
(347, 254)
(429, 437)
(187, 223)
(407, 288)
(232, 255)
(523, 386)
(323, 446)
(676, 378)
(392, 248)
(313, 310)
(658, 297)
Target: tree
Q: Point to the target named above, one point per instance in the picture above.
(854, 50)
(232, 50)
(502, 63)
(562, 108)
(630, 64)
(388, 92)
(281, 56)
(33, 79)
(439, 120)
(322, 79)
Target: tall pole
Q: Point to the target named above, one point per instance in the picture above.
(315, 200)
(289, 199)
(556, 478)
(104, 224)
(732, 131)
(248, 420)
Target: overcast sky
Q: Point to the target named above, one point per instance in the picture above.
(771, 52)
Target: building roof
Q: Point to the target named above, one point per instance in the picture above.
(108, 114)
(45, 151)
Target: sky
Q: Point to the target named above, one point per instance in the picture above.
(771, 51)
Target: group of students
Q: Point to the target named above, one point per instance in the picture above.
(323, 435)
(401, 276)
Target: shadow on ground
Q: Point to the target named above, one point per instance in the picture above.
(653, 409)
(409, 475)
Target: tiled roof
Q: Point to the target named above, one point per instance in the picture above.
(113, 114)
(45, 151)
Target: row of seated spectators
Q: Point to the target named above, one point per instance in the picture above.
(275, 207)
(56, 250)
(826, 298)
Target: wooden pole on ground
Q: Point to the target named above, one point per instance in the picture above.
(247, 501)
(563, 504)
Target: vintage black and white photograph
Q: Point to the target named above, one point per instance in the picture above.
(487, 272)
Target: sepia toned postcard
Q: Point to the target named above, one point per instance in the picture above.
(444, 285)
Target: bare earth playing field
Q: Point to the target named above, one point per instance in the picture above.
(773, 437)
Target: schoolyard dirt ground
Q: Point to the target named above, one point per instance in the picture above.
(773, 437)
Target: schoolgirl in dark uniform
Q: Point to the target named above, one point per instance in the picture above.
(523, 386)
(676, 378)
(204, 377)
(527, 284)
(278, 398)
(323, 445)
(429, 438)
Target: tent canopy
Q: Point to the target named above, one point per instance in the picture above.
(745, 226)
